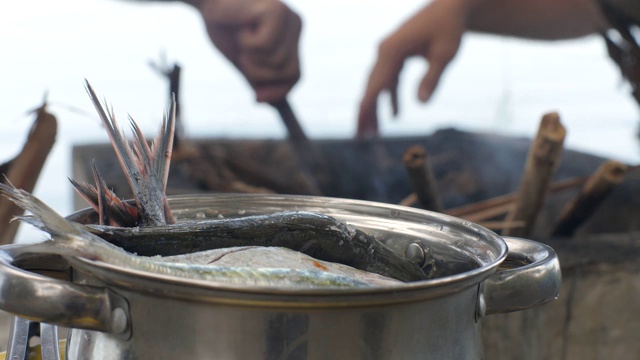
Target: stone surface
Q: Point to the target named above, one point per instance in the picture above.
(597, 315)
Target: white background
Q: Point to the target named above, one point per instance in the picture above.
(495, 84)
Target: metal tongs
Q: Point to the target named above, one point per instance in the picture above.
(22, 330)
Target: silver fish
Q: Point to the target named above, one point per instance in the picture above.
(229, 259)
(285, 268)
(148, 227)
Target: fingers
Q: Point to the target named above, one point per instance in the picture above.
(269, 58)
(367, 120)
(430, 80)
(269, 26)
(223, 37)
(261, 39)
(368, 113)
(438, 57)
(383, 77)
(393, 94)
(271, 52)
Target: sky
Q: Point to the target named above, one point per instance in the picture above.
(495, 84)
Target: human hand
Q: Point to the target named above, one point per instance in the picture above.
(434, 33)
(260, 37)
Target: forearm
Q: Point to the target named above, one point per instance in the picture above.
(536, 19)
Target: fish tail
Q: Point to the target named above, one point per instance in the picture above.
(70, 238)
(146, 167)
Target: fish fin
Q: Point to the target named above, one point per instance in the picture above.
(163, 144)
(71, 237)
(87, 192)
(121, 147)
(162, 150)
(146, 168)
(110, 208)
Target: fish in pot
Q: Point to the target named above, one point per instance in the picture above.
(301, 277)
(150, 221)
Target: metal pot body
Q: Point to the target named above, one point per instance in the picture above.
(166, 328)
(119, 313)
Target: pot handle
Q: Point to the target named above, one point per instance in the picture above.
(528, 277)
(49, 300)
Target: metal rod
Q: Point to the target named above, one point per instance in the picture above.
(18, 339)
(290, 120)
(307, 159)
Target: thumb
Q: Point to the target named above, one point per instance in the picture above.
(430, 80)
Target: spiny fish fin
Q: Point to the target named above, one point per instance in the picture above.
(111, 209)
(120, 145)
(141, 149)
(101, 192)
(146, 170)
(87, 192)
(168, 215)
(120, 212)
(163, 145)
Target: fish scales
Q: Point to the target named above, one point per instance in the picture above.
(148, 229)
(72, 239)
(317, 235)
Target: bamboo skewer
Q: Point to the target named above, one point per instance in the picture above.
(490, 213)
(416, 163)
(476, 207)
(496, 206)
(596, 189)
(499, 205)
(542, 161)
(409, 200)
(25, 169)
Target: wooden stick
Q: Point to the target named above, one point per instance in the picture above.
(416, 163)
(490, 213)
(500, 204)
(599, 185)
(172, 74)
(495, 206)
(25, 169)
(409, 200)
(542, 161)
(480, 206)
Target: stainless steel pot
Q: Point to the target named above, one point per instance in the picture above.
(118, 313)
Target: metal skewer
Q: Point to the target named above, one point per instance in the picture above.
(307, 158)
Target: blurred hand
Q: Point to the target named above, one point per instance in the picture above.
(260, 37)
(434, 33)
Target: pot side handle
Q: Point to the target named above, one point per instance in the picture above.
(528, 277)
(58, 302)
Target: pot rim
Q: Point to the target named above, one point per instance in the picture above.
(212, 291)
